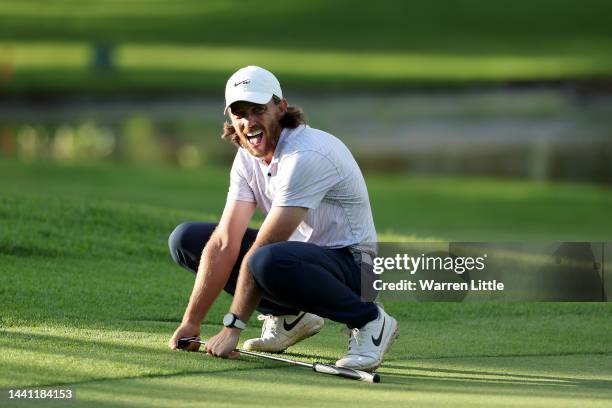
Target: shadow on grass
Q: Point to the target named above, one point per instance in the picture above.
(471, 376)
(151, 374)
(281, 386)
(54, 359)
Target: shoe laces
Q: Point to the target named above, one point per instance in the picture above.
(354, 338)
(269, 325)
(357, 335)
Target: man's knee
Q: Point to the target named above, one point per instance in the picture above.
(177, 236)
(176, 242)
(270, 263)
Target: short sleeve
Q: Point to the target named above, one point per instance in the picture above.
(305, 178)
(239, 188)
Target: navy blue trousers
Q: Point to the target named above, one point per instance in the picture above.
(294, 276)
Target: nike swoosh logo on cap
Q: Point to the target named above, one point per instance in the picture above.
(290, 326)
(246, 81)
(377, 341)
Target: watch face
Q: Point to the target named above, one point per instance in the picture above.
(228, 319)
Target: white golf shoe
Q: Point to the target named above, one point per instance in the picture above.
(280, 332)
(368, 345)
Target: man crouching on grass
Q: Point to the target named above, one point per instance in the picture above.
(304, 263)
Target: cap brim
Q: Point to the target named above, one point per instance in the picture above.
(253, 97)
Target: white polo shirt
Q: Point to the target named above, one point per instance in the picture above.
(312, 169)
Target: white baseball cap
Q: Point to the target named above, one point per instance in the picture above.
(251, 84)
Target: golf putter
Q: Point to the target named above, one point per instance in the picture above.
(316, 367)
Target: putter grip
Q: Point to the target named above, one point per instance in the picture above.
(346, 373)
(186, 341)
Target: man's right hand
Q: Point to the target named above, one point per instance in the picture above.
(185, 330)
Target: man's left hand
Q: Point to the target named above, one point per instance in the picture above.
(223, 343)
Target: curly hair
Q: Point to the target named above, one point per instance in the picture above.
(293, 117)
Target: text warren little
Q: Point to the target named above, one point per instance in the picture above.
(431, 285)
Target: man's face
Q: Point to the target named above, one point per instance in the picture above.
(258, 126)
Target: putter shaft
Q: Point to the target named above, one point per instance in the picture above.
(317, 367)
(250, 353)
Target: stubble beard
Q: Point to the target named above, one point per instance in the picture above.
(273, 140)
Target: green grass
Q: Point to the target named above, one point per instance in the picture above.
(183, 46)
(404, 207)
(181, 68)
(89, 297)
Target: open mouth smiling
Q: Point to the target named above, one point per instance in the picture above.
(255, 137)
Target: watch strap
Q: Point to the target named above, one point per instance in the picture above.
(236, 322)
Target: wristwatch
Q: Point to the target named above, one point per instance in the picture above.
(231, 320)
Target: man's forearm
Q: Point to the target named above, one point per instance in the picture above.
(214, 270)
(248, 294)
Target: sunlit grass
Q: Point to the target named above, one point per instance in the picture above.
(191, 46)
(370, 66)
(89, 298)
(127, 362)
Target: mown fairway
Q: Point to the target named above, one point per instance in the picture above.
(89, 297)
(191, 46)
